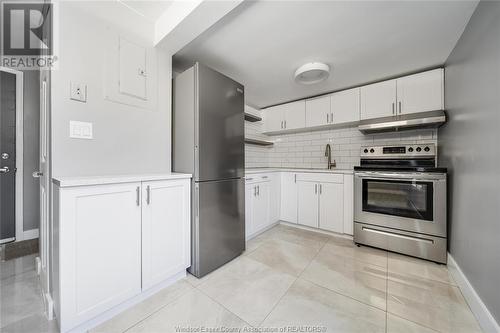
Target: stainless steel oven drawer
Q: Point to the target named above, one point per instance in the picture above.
(410, 243)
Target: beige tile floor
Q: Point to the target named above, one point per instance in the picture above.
(292, 277)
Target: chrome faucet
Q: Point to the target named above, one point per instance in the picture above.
(328, 153)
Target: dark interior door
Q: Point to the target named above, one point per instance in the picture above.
(7, 156)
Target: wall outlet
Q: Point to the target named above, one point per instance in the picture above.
(80, 130)
(78, 92)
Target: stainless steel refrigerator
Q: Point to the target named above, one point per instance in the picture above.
(208, 142)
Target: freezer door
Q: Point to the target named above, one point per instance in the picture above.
(220, 126)
(218, 224)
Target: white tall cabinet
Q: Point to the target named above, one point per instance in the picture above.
(115, 238)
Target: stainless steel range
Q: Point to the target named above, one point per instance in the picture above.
(400, 201)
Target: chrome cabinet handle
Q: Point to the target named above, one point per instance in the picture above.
(4, 170)
(392, 108)
(37, 174)
(148, 195)
(285, 124)
(327, 118)
(315, 188)
(138, 194)
(264, 177)
(282, 124)
(320, 188)
(258, 189)
(331, 117)
(399, 107)
(254, 191)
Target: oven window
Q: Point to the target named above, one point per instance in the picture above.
(410, 199)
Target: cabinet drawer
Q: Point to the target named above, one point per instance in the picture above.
(321, 177)
(257, 178)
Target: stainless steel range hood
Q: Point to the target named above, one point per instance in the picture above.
(432, 119)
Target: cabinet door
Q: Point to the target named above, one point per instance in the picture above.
(345, 106)
(295, 115)
(261, 207)
(348, 204)
(307, 199)
(100, 249)
(274, 197)
(421, 92)
(273, 118)
(331, 207)
(288, 211)
(378, 100)
(249, 199)
(318, 111)
(165, 230)
(132, 69)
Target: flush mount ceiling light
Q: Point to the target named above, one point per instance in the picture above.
(312, 72)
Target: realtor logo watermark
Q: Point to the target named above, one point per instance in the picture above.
(27, 35)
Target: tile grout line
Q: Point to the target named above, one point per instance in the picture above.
(296, 278)
(155, 311)
(223, 306)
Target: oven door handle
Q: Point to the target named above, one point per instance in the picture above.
(411, 176)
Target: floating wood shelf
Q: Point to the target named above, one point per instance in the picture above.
(252, 118)
(258, 142)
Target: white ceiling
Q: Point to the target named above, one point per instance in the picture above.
(152, 10)
(261, 44)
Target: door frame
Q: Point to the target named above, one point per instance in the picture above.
(19, 150)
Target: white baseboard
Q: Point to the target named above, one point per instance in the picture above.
(480, 311)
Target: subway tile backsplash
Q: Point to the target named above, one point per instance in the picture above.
(307, 149)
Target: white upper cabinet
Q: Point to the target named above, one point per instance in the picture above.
(378, 100)
(273, 118)
(295, 115)
(286, 116)
(345, 106)
(318, 111)
(421, 92)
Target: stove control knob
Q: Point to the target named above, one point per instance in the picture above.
(365, 151)
(419, 149)
(410, 149)
(427, 149)
(372, 150)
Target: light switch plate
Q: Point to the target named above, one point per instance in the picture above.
(78, 92)
(80, 130)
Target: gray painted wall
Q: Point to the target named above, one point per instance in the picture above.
(31, 130)
(469, 148)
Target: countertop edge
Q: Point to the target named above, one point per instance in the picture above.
(250, 171)
(115, 179)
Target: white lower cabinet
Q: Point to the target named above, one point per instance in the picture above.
(307, 199)
(331, 207)
(165, 248)
(288, 211)
(262, 202)
(99, 257)
(113, 241)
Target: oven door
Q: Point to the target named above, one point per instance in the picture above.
(401, 200)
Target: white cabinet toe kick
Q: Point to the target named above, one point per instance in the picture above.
(414, 244)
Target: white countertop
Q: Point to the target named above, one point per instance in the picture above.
(115, 179)
(251, 171)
